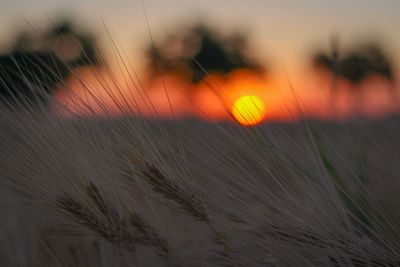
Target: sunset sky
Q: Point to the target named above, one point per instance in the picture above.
(283, 33)
(282, 30)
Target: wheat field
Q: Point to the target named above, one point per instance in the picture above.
(136, 192)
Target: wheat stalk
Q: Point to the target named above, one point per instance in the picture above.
(110, 226)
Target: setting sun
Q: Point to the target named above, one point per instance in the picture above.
(248, 110)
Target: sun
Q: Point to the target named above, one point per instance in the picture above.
(248, 110)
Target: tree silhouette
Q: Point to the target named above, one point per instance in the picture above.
(35, 65)
(74, 47)
(357, 65)
(29, 77)
(199, 51)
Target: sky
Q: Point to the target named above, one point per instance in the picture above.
(283, 33)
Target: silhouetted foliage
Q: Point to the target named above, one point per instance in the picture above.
(72, 46)
(36, 64)
(29, 77)
(195, 52)
(356, 65)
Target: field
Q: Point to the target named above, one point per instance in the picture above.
(135, 192)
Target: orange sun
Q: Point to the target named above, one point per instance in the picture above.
(248, 110)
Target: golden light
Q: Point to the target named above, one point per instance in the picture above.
(248, 110)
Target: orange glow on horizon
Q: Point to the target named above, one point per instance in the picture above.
(97, 92)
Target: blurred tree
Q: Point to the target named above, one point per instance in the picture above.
(29, 77)
(72, 46)
(194, 52)
(357, 65)
(36, 64)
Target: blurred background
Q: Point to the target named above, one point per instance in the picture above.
(176, 59)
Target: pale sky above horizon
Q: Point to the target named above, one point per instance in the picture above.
(282, 32)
